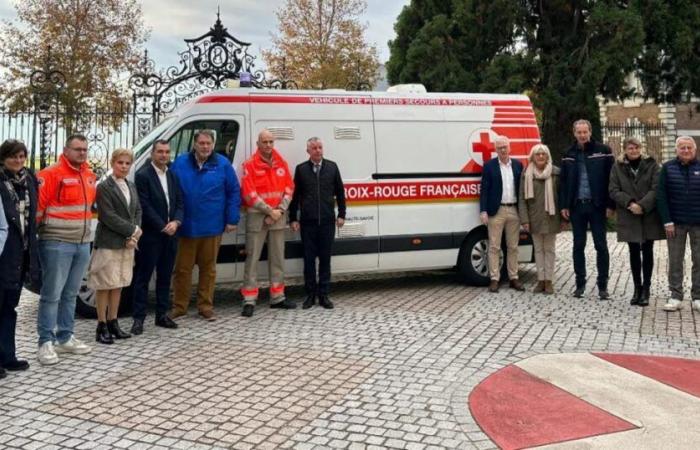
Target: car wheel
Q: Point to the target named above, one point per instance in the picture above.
(473, 260)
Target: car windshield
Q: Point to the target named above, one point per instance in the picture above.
(145, 143)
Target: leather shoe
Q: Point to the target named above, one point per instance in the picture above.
(493, 286)
(284, 304)
(165, 322)
(102, 334)
(248, 310)
(578, 293)
(16, 365)
(309, 302)
(324, 301)
(603, 294)
(137, 327)
(3, 374)
(208, 315)
(516, 284)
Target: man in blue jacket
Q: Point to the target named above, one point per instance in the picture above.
(585, 200)
(500, 182)
(678, 202)
(212, 199)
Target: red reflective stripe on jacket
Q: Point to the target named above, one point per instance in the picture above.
(271, 182)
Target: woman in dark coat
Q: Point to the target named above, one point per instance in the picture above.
(633, 183)
(18, 260)
(118, 232)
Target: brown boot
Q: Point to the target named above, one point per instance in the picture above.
(539, 287)
(548, 287)
(493, 286)
(516, 284)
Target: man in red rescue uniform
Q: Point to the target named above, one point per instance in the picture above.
(267, 189)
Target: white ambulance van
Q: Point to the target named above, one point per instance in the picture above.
(411, 164)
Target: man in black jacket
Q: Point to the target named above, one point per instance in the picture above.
(162, 204)
(317, 187)
(585, 199)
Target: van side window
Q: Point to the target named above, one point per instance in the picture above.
(226, 137)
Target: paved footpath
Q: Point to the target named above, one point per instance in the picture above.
(393, 366)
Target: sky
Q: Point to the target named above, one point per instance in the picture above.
(253, 21)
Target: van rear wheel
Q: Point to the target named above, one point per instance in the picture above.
(473, 261)
(85, 302)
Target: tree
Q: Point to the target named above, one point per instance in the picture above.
(321, 44)
(563, 53)
(92, 42)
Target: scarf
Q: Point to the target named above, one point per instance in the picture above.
(531, 173)
(16, 184)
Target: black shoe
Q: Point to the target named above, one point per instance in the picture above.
(102, 334)
(248, 310)
(324, 301)
(166, 322)
(3, 373)
(137, 327)
(16, 365)
(309, 302)
(644, 298)
(284, 304)
(115, 331)
(578, 293)
(603, 294)
(637, 296)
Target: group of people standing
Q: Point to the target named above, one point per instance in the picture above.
(168, 220)
(652, 203)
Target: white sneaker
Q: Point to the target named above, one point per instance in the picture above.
(696, 305)
(46, 354)
(73, 345)
(673, 305)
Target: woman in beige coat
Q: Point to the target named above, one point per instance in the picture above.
(538, 207)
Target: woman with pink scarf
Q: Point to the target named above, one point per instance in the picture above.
(538, 207)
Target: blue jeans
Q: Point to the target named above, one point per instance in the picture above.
(63, 267)
(582, 215)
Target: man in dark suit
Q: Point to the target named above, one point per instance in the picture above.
(318, 186)
(500, 182)
(162, 204)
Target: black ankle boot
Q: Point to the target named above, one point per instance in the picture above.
(637, 296)
(102, 334)
(115, 331)
(644, 297)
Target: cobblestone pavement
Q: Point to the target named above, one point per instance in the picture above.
(390, 367)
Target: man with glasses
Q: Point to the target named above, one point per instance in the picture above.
(64, 215)
(500, 183)
(678, 201)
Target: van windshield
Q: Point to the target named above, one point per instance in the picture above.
(145, 143)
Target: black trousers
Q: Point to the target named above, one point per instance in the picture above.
(9, 298)
(583, 215)
(156, 252)
(317, 240)
(642, 262)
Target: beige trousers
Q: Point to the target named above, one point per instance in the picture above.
(254, 241)
(505, 219)
(202, 252)
(545, 256)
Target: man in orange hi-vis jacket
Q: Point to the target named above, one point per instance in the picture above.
(267, 189)
(64, 216)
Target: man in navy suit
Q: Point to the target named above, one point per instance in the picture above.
(162, 204)
(500, 181)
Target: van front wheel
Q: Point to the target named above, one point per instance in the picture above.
(473, 261)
